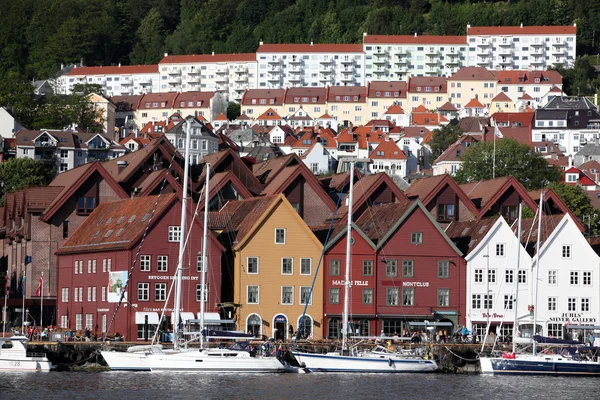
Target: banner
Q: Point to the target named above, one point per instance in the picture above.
(116, 285)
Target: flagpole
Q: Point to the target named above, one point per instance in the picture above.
(42, 303)
(23, 309)
(5, 299)
(494, 157)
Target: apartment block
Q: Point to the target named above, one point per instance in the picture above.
(229, 74)
(295, 65)
(393, 57)
(121, 80)
(524, 47)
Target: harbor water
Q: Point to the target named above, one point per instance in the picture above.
(315, 386)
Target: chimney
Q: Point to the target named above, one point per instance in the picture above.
(260, 43)
(311, 43)
(213, 53)
(415, 34)
(121, 165)
(119, 65)
(521, 24)
(166, 54)
(468, 26)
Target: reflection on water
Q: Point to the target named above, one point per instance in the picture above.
(124, 385)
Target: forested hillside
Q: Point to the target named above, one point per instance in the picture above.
(36, 36)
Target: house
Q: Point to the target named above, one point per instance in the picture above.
(203, 141)
(501, 103)
(274, 257)
(220, 121)
(449, 161)
(448, 111)
(575, 177)
(300, 102)
(9, 125)
(300, 119)
(347, 104)
(327, 121)
(125, 112)
(130, 248)
(269, 118)
(474, 109)
(388, 157)
(396, 115)
(420, 116)
(430, 92)
(381, 95)
(515, 83)
(411, 141)
(472, 80)
(105, 115)
(319, 159)
(588, 153)
(256, 102)
(158, 106)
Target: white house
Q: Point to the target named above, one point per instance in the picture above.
(388, 157)
(318, 159)
(203, 141)
(397, 115)
(8, 124)
(115, 80)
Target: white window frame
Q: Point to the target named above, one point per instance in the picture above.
(174, 234)
(278, 230)
(291, 265)
(145, 262)
(302, 269)
(145, 294)
(291, 302)
(307, 290)
(257, 294)
(162, 263)
(257, 265)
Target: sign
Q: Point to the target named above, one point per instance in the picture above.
(572, 317)
(280, 318)
(167, 277)
(415, 284)
(355, 283)
(150, 309)
(102, 310)
(493, 315)
(116, 285)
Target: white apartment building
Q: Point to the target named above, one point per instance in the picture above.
(121, 80)
(229, 74)
(294, 65)
(524, 47)
(392, 57)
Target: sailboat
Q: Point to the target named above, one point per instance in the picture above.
(348, 360)
(536, 363)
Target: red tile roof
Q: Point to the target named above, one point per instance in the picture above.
(221, 117)
(377, 221)
(525, 30)
(420, 83)
(305, 95)
(183, 99)
(325, 116)
(473, 74)
(501, 97)
(526, 97)
(415, 131)
(115, 70)
(394, 109)
(420, 109)
(447, 106)
(263, 94)
(269, 115)
(310, 48)
(467, 235)
(356, 94)
(243, 215)
(389, 151)
(208, 58)
(414, 39)
(383, 87)
(484, 190)
(427, 119)
(474, 103)
(513, 118)
(520, 77)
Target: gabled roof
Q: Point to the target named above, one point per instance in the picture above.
(550, 194)
(218, 182)
(393, 89)
(269, 115)
(338, 182)
(473, 74)
(529, 231)
(513, 118)
(156, 179)
(474, 103)
(270, 168)
(426, 189)
(467, 235)
(305, 95)
(590, 168)
(221, 117)
(502, 97)
(237, 218)
(415, 131)
(457, 149)
(419, 83)
(447, 106)
(427, 119)
(394, 109)
(526, 97)
(387, 150)
(217, 158)
(520, 77)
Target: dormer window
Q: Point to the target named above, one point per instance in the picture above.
(572, 177)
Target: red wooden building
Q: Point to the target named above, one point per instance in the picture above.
(94, 262)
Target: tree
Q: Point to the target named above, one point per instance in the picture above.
(512, 159)
(579, 203)
(150, 39)
(20, 173)
(233, 110)
(442, 139)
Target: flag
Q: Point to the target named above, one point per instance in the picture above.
(38, 291)
(497, 132)
(6, 285)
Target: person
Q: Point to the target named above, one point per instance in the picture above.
(591, 339)
(252, 351)
(88, 334)
(44, 334)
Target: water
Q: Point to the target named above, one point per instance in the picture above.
(316, 386)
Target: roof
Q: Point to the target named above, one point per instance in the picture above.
(270, 97)
(473, 74)
(526, 97)
(305, 95)
(467, 235)
(387, 150)
(474, 103)
(428, 119)
(447, 106)
(523, 30)
(269, 115)
(337, 182)
(393, 89)
(243, 214)
(115, 70)
(208, 58)
(513, 118)
(418, 83)
(415, 131)
(456, 150)
(221, 117)
(414, 39)
(310, 48)
(520, 77)
(484, 190)
(529, 230)
(126, 103)
(117, 225)
(270, 168)
(354, 93)
(501, 97)
(377, 221)
(394, 109)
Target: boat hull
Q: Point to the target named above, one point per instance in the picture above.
(339, 363)
(123, 361)
(534, 365)
(25, 364)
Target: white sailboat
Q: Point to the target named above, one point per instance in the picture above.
(13, 356)
(535, 364)
(377, 360)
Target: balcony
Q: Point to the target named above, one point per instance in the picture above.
(557, 50)
(274, 68)
(348, 71)
(380, 71)
(378, 50)
(505, 50)
(505, 42)
(126, 81)
(559, 44)
(432, 61)
(145, 81)
(483, 50)
(174, 71)
(401, 69)
(537, 51)
(174, 80)
(347, 78)
(401, 61)
(100, 146)
(193, 72)
(536, 44)
(433, 71)
(380, 60)
(222, 70)
(273, 78)
(347, 60)
(537, 61)
(223, 87)
(47, 144)
(295, 60)
(240, 78)
(483, 61)
(431, 51)
(326, 61)
(325, 70)
(324, 78)
(194, 80)
(273, 60)
(125, 92)
(452, 61)
(221, 78)
(401, 52)
(241, 69)
(505, 61)
(295, 78)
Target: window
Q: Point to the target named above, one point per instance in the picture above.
(391, 268)
(407, 268)
(478, 275)
(585, 304)
(552, 275)
(145, 263)
(89, 269)
(574, 277)
(408, 296)
(305, 295)
(174, 233)
(367, 296)
(476, 301)
(280, 236)
(143, 291)
(392, 296)
(287, 295)
(252, 265)
(443, 298)
(103, 289)
(367, 267)
(64, 321)
(199, 292)
(65, 232)
(446, 212)
(499, 249)
(306, 266)
(89, 293)
(443, 269)
(555, 330)
(85, 205)
(162, 263)
(509, 276)
(334, 267)
(488, 301)
(566, 251)
(253, 295)
(94, 290)
(334, 296)
(287, 266)
(551, 303)
(508, 302)
(65, 295)
(587, 278)
(491, 276)
(416, 237)
(522, 276)
(572, 304)
(79, 322)
(93, 266)
(160, 292)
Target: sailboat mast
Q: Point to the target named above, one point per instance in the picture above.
(204, 255)
(176, 313)
(347, 272)
(516, 302)
(537, 272)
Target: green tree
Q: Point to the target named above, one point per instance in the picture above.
(16, 95)
(233, 110)
(579, 203)
(512, 159)
(20, 173)
(150, 45)
(443, 137)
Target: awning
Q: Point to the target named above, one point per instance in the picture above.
(140, 318)
(428, 323)
(211, 318)
(183, 316)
